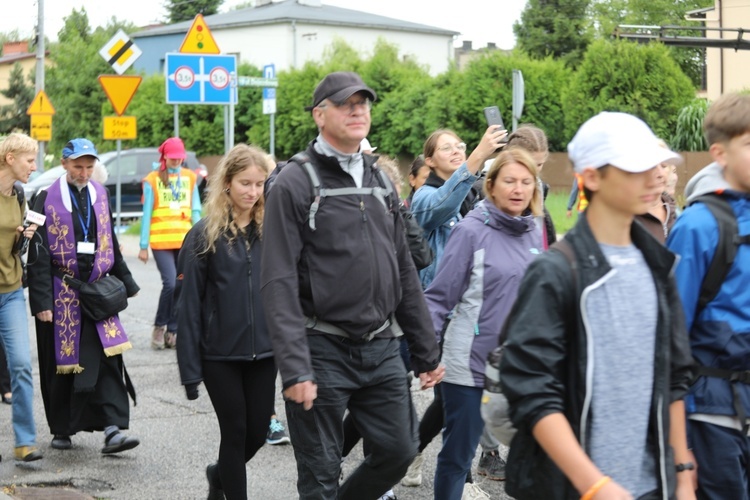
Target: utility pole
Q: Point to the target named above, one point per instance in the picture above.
(40, 71)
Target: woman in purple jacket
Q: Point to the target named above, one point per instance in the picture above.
(478, 278)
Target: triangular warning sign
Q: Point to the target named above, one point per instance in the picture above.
(40, 105)
(199, 39)
(120, 90)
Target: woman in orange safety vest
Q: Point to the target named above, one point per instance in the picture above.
(171, 205)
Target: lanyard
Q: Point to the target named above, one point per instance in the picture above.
(84, 224)
(176, 192)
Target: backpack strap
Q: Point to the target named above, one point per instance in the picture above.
(382, 193)
(564, 247)
(726, 249)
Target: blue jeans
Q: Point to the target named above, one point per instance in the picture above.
(463, 429)
(14, 333)
(166, 263)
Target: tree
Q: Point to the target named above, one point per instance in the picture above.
(186, 10)
(13, 116)
(625, 76)
(557, 28)
(72, 81)
(608, 14)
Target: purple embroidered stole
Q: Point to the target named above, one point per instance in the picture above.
(62, 246)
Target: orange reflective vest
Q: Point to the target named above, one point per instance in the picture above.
(582, 201)
(172, 215)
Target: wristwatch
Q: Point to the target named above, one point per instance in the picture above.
(684, 467)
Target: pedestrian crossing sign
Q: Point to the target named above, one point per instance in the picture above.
(199, 39)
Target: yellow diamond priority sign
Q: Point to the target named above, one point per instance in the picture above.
(120, 52)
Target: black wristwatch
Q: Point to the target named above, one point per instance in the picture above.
(684, 467)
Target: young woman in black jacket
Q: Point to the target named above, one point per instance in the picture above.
(224, 341)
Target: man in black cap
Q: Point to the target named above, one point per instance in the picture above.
(340, 248)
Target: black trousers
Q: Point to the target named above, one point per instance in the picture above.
(370, 380)
(242, 394)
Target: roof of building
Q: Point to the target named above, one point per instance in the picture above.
(291, 10)
(13, 58)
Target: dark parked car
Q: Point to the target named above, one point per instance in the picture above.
(134, 165)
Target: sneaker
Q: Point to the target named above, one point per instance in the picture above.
(474, 492)
(389, 495)
(27, 453)
(157, 337)
(277, 433)
(170, 340)
(492, 466)
(413, 475)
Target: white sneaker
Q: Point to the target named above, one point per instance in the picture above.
(389, 495)
(474, 492)
(413, 475)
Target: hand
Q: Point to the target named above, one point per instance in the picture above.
(612, 491)
(303, 392)
(28, 232)
(569, 214)
(431, 379)
(143, 255)
(490, 142)
(191, 390)
(44, 316)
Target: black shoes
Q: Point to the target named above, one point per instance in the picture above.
(117, 442)
(61, 442)
(215, 492)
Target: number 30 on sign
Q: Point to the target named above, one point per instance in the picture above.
(120, 127)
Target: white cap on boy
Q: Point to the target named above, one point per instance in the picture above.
(618, 139)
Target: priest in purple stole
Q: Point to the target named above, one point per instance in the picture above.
(83, 380)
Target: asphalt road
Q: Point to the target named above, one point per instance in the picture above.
(178, 437)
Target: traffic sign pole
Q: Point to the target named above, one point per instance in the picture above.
(118, 191)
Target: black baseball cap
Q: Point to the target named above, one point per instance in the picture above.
(338, 87)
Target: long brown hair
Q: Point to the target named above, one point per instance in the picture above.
(531, 138)
(218, 206)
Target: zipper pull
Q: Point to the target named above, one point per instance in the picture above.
(362, 209)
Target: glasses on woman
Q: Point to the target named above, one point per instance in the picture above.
(448, 148)
(350, 107)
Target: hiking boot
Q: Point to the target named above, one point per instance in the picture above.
(157, 337)
(215, 492)
(170, 340)
(474, 492)
(277, 433)
(492, 465)
(27, 453)
(413, 475)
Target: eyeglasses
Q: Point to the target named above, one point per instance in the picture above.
(448, 148)
(350, 107)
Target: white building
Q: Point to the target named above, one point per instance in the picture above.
(292, 32)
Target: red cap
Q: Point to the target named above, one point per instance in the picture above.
(173, 148)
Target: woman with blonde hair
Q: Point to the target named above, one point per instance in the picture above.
(477, 281)
(224, 340)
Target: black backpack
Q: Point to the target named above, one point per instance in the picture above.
(22, 242)
(726, 250)
(383, 193)
(723, 260)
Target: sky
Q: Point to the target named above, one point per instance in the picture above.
(480, 21)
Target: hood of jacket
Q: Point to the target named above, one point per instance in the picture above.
(708, 180)
(490, 215)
